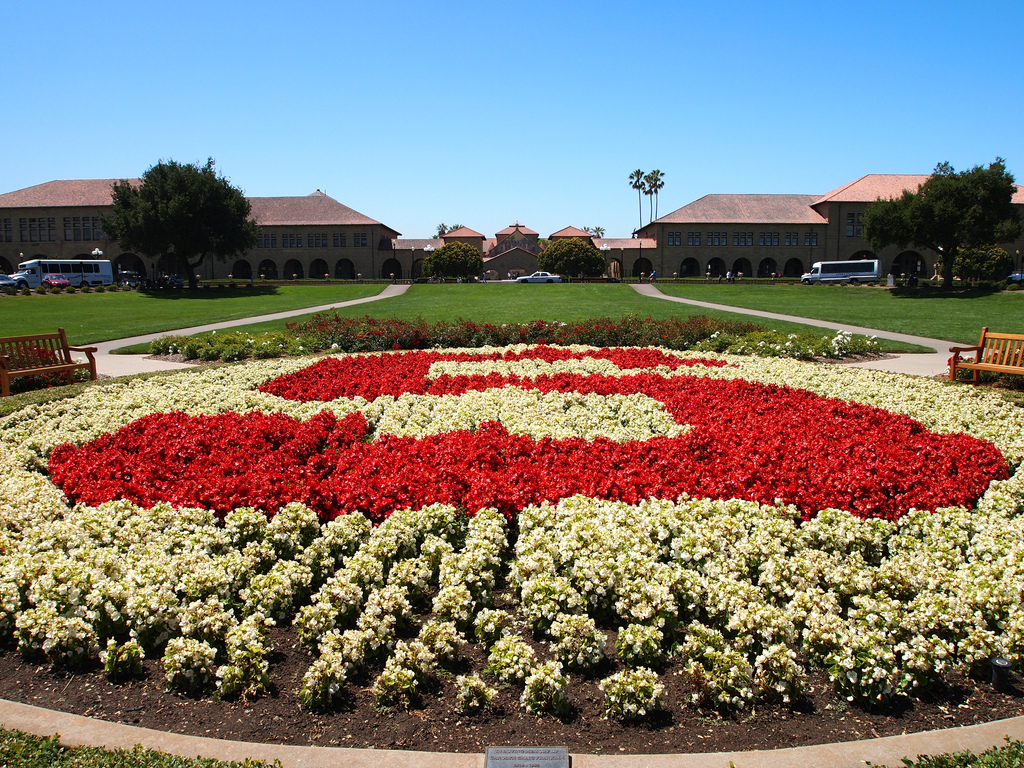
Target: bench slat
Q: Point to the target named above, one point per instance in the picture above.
(999, 352)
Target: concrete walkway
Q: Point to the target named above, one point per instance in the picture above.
(75, 730)
(108, 364)
(920, 364)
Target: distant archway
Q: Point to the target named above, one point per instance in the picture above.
(641, 266)
(909, 263)
(344, 270)
(268, 269)
(793, 268)
(293, 270)
(716, 267)
(129, 262)
(319, 269)
(767, 268)
(391, 267)
(5, 266)
(241, 270)
(742, 267)
(689, 268)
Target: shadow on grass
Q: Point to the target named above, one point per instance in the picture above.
(209, 292)
(931, 292)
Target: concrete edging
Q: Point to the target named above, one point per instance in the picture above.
(76, 730)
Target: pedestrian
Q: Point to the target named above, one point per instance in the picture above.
(728, 276)
(654, 275)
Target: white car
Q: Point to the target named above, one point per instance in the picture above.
(539, 277)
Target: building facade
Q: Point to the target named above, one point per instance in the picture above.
(315, 236)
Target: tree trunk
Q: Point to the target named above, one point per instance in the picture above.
(947, 269)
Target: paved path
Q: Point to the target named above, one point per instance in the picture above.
(77, 730)
(127, 365)
(920, 364)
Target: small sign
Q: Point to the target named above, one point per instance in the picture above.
(527, 757)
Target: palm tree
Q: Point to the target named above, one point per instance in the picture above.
(595, 231)
(636, 181)
(654, 183)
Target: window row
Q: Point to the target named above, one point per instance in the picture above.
(336, 240)
(81, 228)
(740, 238)
(41, 229)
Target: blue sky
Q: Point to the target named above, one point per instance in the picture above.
(484, 113)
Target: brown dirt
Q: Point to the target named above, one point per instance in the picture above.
(434, 725)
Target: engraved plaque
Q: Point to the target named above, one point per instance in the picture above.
(527, 757)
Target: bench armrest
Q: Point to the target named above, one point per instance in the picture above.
(965, 349)
(87, 350)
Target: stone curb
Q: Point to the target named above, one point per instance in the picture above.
(76, 730)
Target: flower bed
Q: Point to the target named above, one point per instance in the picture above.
(742, 519)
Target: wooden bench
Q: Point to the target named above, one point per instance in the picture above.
(998, 352)
(39, 355)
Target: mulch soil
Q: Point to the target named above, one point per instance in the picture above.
(434, 724)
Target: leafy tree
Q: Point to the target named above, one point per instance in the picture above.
(183, 211)
(983, 263)
(654, 181)
(454, 260)
(636, 181)
(949, 212)
(572, 256)
(595, 231)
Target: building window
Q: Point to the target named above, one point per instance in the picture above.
(854, 228)
(810, 238)
(743, 238)
(693, 238)
(316, 241)
(358, 239)
(792, 238)
(266, 241)
(6, 231)
(81, 228)
(291, 241)
(768, 238)
(339, 240)
(675, 238)
(38, 229)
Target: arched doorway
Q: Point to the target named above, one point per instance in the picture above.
(241, 270)
(689, 268)
(717, 267)
(767, 268)
(268, 270)
(319, 269)
(793, 268)
(909, 263)
(490, 274)
(615, 269)
(129, 262)
(742, 268)
(391, 267)
(641, 266)
(344, 270)
(293, 270)
(6, 266)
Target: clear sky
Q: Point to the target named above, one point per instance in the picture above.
(483, 113)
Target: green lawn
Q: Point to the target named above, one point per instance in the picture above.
(92, 317)
(514, 303)
(925, 312)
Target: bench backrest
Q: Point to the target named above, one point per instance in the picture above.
(41, 350)
(1002, 348)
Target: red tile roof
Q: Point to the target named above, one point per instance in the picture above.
(68, 193)
(747, 209)
(463, 232)
(313, 209)
(419, 244)
(570, 232)
(512, 228)
(626, 242)
(869, 188)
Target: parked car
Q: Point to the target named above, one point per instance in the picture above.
(539, 277)
(51, 280)
(6, 281)
(1016, 277)
(129, 279)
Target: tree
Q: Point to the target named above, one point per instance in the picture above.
(454, 260)
(572, 256)
(983, 263)
(949, 212)
(443, 229)
(654, 182)
(595, 231)
(636, 181)
(184, 212)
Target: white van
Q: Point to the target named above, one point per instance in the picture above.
(79, 272)
(860, 271)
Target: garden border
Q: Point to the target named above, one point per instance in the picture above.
(76, 730)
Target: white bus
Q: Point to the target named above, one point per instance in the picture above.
(860, 271)
(79, 272)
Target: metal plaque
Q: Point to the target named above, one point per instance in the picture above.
(527, 757)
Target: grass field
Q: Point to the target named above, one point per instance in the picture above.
(92, 317)
(932, 313)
